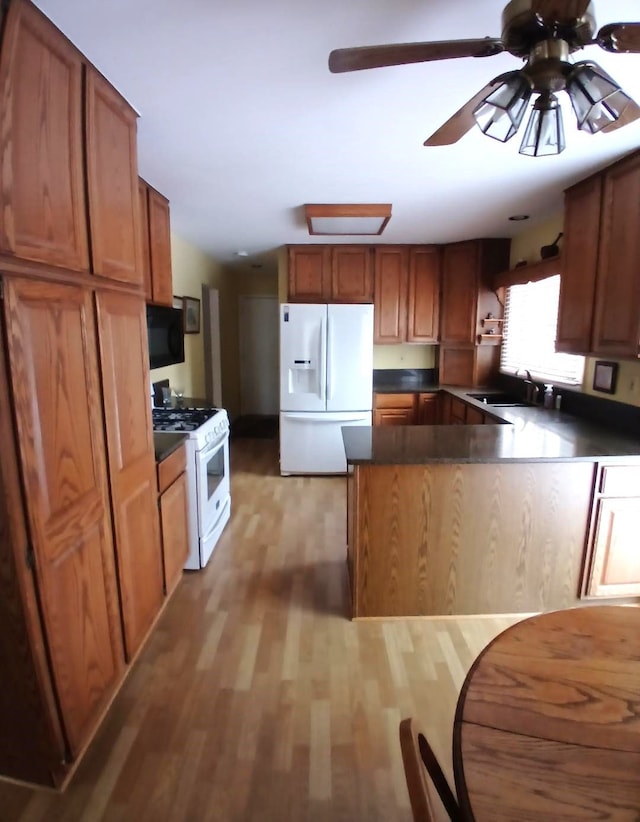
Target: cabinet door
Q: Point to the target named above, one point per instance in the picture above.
(615, 563)
(390, 294)
(309, 274)
(617, 312)
(579, 266)
(143, 199)
(473, 416)
(429, 409)
(458, 365)
(459, 292)
(54, 374)
(160, 248)
(351, 274)
(112, 176)
(424, 295)
(42, 200)
(125, 375)
(175, 524)
(394, 416)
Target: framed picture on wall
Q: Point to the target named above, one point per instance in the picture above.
(191, 307)
(605, 375)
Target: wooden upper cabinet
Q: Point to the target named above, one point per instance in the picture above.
(424, 294)
(125, 376)
(333, 274)
(156, 245)
(391, 274)
(42, 199)
(112, 176)
(579, 266)
(460, 269)
(309, 273)
(351, 274)
(143, 199)
(468, 295)
(54, 374)
(616, 330)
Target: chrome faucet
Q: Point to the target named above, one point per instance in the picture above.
(532, 390)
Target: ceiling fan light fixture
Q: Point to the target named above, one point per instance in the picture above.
(596, 99)
(499, 115)
(545, 131)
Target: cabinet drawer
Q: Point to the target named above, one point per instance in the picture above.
(171, 468)
(405, 400)
(620, 481)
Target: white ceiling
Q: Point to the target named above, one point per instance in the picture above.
(242, 122)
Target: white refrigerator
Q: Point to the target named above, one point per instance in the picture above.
(326, 382)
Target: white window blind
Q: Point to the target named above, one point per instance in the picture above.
(531, 315)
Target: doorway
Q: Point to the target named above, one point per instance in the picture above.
(259, 359)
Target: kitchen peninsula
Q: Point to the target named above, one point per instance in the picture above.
(496, 518)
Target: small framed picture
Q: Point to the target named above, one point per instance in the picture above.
(605, 375)
(191, 307)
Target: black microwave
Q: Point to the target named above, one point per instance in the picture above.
(166, 335)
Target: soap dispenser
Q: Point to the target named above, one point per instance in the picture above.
(548, 395)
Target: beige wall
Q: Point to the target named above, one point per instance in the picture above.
(191, 268)
(527, 247)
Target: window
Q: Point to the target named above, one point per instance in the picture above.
(531, 315)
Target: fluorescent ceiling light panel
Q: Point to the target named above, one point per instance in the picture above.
(354, 219)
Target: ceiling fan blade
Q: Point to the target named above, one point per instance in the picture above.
(463, 120)
(397, 54)
(629, 115)
(563, 11)
(620, 37)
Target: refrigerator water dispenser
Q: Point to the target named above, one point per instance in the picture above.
(303, 377)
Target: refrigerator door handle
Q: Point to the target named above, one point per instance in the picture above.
(322, 416)
(323, 360)
(329, 359)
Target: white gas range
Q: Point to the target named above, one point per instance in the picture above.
(207, 447)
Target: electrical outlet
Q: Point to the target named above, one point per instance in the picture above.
(633, 385)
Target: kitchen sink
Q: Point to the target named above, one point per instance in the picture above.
(500, 400)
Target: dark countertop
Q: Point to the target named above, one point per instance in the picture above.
(534, 433)
(401, 386)
(166, 442)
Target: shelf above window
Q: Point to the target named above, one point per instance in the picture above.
(531, 272)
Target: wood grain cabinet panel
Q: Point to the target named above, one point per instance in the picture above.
(112, 177)
(424, 294)
(125, 376)
(395, 409)
(42, 200)
(428, 412)
(460, 266)
(54, 374)
(309, 273)
(579, 266)
(615, 568)
(156, 245)
(351, 274)
(174, 517)
(616, 329)
(391, 269)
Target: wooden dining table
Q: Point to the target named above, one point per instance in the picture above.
(547, 724)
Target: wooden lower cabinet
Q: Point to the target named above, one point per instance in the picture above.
(614, 563)
(132, 467)
(174, 516)
(395, 409)
(81, 575)
(54, 380)
(429, 408)
(444, 539)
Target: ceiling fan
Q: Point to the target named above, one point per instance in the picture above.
(545, 33)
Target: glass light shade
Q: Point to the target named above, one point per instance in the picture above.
(596, 99)
(499, 115)
(545, 131)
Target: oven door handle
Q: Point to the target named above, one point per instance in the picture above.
(210, 447)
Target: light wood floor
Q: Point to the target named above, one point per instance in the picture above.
(257, 698)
